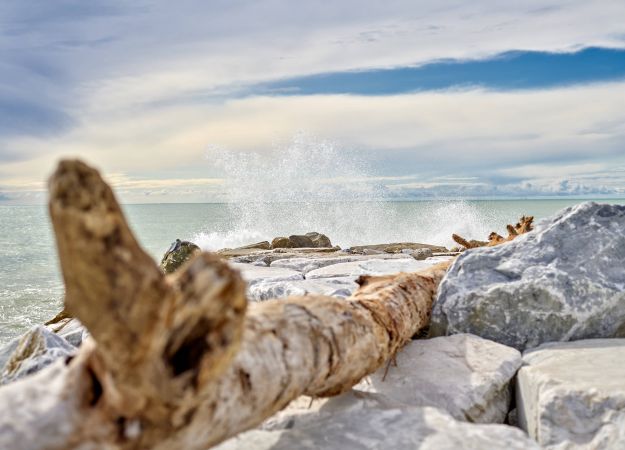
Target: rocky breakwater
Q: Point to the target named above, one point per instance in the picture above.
(308, 264)
(293, 267)
(524, 333)
(326, 275)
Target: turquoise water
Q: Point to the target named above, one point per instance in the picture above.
(31, 289)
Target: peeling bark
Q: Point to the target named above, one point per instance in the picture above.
(176, 361)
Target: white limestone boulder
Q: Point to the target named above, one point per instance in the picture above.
(305, 265)
(465, 375)
(335, 287)
(372, 267)
(572, 395)
(408, 428)
(564, 281)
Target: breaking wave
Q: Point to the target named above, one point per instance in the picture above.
(311, 185)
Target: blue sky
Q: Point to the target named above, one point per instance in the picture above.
(430, 98)
(506, 71)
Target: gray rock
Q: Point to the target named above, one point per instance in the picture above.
(264, 257)
(421, 253)
(564, 281)
(572, 395)
(32, 352)
(254, 274)
(300, 241)
(371, 267)
(384, 428)
(306, 264)
(334, 287)
(465, 375)
(263, 245)
(281, 242)
(397, 247)
(71, 330)
(319, 240)
(304, 409)
(371, 251)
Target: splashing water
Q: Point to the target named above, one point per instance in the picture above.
(310, 185)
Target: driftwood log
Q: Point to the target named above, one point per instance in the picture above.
(524, 225)
(181, 361)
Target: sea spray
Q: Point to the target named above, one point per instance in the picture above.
(306, 185)
(312, 185)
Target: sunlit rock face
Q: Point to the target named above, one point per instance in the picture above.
(571, 395)
(563, 281)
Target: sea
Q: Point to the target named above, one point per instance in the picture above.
(31, 287)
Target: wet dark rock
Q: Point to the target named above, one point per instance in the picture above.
(301, 241)
(319, 240)
(178, 253)
(281, 242)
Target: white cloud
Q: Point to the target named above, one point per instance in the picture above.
(493, 137)
(220, 47)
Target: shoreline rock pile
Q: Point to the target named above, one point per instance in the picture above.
(530, 329)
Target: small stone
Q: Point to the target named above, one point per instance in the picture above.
(421, 253)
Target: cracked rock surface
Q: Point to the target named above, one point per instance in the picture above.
(465, 375)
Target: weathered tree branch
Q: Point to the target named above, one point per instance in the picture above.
(175, 362)
(524, 225)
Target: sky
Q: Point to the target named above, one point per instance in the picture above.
(430, 99)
